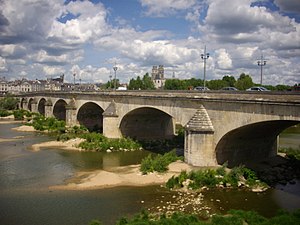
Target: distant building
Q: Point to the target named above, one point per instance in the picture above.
(157, 76)
(50, 84)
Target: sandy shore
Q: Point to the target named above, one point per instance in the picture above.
(121, 176)
(66, 145)
(24, 128)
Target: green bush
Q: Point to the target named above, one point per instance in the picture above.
(21, 114)
(98, 142)
(213, 178)
(51, 124)
(4, 113)
(235, 217)
(158, 163)
(9, 103)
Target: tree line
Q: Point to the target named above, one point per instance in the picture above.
(242, 83)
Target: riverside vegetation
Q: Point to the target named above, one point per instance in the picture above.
(221, 178)
(234, 217)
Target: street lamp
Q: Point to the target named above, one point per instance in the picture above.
(261, 63)
(110, 76)
(115, 81)
(204, 56)
(74, 75)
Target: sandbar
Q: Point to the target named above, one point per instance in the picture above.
(121, 176)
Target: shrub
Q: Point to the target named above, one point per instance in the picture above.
(9, 103)
(98, 142)
(4, 113)
(212, 178)
(158, 163)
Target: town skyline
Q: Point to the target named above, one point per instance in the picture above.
(41, 39)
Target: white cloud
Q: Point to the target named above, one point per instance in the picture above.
(167, 7)
(3, 65)
(53, 70)
(223, 59)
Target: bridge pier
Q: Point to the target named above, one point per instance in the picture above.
(48, 108)
(71, 115)
(23, 104)
(198, 145)
(34, 106)
(111, 122)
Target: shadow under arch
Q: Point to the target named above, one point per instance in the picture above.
(253, 142)
(59, 110)
(90, 116)
(147, 123)
(23, 103)
(30, 102)
(41, 106)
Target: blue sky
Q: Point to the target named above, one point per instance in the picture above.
(40, 39)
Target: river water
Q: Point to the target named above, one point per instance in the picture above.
(26, 199)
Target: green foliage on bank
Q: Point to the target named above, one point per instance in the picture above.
(50, 124)
(98, 142)
(158, 163)
(8, 103)
(291, 153)
(19, 114)
(234, 217)
(236, 177)
(5, 113)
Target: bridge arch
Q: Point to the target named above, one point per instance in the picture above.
(41, 106)
(90, 116)
(23, 103)
(30, 102)
(147, 123)
(59, 109)
(252, 142)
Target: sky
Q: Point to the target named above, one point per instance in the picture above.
(41, 39)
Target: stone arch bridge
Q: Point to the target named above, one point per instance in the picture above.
(219, 127)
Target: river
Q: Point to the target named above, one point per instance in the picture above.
(25, 197)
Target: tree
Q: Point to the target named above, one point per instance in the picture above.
(141, 84)
(147, 82)
(216, 84)
(230, 80)
(175, 84)
(244, 82)
(111, 84)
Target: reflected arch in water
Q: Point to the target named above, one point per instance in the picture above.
(147, 123)
(253, 142)
(59, 110)
(90, 116)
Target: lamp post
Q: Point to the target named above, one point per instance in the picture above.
(261, 63)
(204, 56)
(74, 75)
(110, 76)
(115, 81)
